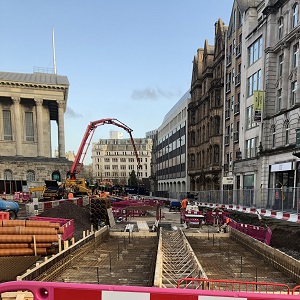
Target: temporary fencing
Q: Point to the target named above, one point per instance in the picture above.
(70, 291)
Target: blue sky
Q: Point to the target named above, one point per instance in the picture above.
(125, 59)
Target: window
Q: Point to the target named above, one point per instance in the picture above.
(255, 51)
(192, 160)
(30, 176)
(8, 175)
(29, 130)
(295, 55)
(107, 159)
(279, 99)
(250, 148)
(280, 28)
(193, 138)
(273, 136)
(218, 97)
(216, 154)
(193, 117)
(280, 65)
(287, 130)
(253, 83)
(217, 125)
(249, 117)
(7, 128)
(295, 15)
(293, 92)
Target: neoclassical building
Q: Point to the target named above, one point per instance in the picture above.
(28, 104)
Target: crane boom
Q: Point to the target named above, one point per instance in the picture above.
(85, 143)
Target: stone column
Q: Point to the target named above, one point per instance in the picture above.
(61, 129)
(39, 123)
(18, 126)
(285, 77)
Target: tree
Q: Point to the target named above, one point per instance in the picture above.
(133, 181)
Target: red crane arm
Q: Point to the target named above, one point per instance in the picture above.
(85, 143)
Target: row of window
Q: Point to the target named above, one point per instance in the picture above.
(212, 156)
(119, 174)
(7, 126)
(294, 21)
(122, 159)
(206, 131)
(121, 167)
(119, 153)
(30, 175)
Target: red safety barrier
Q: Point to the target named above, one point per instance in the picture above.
(72, 291)
(233, 285)
(296, 290)
(67, 224)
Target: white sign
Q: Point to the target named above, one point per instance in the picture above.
(228, 180)
(282, 167)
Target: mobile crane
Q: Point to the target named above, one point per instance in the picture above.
(78, 185)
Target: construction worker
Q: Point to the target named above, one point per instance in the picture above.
(184, 204)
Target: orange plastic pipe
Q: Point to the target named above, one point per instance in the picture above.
(37, 230)
(9, 230)
(16, 252)
(34, 223)
(22, 252)
(54, 225)
(22, 238)
(10, 223)
(25, 245)
(15, 245)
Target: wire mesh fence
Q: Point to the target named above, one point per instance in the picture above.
(279, 199)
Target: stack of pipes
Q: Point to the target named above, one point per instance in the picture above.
(28, 237)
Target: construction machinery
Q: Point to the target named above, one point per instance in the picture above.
(79, 186)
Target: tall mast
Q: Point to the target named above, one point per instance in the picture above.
(53, 50)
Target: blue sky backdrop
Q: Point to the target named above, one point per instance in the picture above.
(125, 59)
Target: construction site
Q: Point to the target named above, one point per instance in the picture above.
(156, 249)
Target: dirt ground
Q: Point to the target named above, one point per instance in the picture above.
(285, 235)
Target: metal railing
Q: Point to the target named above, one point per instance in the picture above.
(278, 199)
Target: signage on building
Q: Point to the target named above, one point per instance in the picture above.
(228, 180)
(258, 105)
(282, 167)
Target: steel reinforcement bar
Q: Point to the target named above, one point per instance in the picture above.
(282, 262)
(53, 267)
